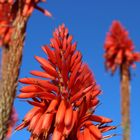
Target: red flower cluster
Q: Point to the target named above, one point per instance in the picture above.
(65, 100)
(30, 5)
(5, 22)
(11, 124)
(119, 48)
(8, 12)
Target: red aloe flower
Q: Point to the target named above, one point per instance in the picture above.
(6, 18)
(8, 11)
(11, 124)
(27, 6)
(119, 48)
(119, 53)
(65, 100)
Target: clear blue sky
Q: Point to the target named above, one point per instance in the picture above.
(88, 21)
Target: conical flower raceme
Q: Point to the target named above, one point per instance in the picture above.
(65, 95)
(8, 12)
(119, 48)
(27, 6)
(12, 122)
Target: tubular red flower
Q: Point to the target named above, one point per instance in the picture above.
(119, 48)
(65, 100)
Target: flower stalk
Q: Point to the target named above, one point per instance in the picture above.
(12, 55)
(125, 101)
(119, 53)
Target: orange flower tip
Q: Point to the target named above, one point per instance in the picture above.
(109, 136)
(47, 13)
(100, 119)
(22, 80)
(88, 89)
(107, 128)
(107, 120)
(63, 25)
(37, 57)
(21, 126)
(20, 96)
(26, 95)
(41, 60)
(43, 48)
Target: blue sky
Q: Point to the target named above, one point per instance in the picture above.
(88, 21)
